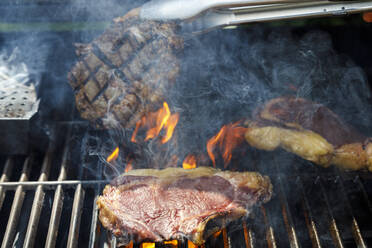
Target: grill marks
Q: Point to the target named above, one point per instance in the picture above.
(124, 72)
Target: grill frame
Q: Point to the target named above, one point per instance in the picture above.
(258, 232)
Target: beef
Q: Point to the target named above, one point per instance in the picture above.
(125, 72)
(309, 130)
(174, 203)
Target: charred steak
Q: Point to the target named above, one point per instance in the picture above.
(173, 203)
(124, 72)
(309, 130)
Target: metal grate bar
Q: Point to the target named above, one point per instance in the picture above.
(287, 216)
(248, 236)
(270, 237)
(39, 198)
(75, 217)
(93, 227)
(16, 206)
(5, 177)
(309, 219)
(364, 192)
(335, 233)
(226, 239)
(354, 226)
(58, 199)
(313, 233)
(113, 242)
(52, 184)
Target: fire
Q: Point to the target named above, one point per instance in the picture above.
(216, 234)
(191, 244)
(171, 242)
(170, 126)
(367, 17)
(114, 155)
(129, 166)
(189, 162)
(157, 121)
(130, 245)
(148, 245)
(228, 138)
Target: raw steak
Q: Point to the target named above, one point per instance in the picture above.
(125, 72)
(173, 203)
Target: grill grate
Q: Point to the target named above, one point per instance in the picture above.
(48, 200)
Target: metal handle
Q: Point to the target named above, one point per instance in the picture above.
(220, 18)
(186, 9)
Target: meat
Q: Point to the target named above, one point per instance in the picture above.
(125, 72)
(309, 130)
(174, 203)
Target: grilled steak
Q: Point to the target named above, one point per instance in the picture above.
(174, 203)
(309, 130)
(124, 72)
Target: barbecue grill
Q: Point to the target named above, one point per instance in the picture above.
(48, 199)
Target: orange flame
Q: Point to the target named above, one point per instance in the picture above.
(189, 162)
(130, 245)
(170, 126)
(216, 234)
(191, 244)
(228, 138)
(171, 242)
(114, 155)
(367, 17)
(155, 122)
(129, 166)
(148, 245)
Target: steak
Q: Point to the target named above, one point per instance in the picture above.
(125, 72)
(310, 130)
(174, 203)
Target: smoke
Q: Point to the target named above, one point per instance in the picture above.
(226, 74)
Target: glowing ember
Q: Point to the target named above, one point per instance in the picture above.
(114, 155)
(171, 242)
(130, 245)
(216, 234)
(189, 162)
(191, 244)
(155, 122)
(367, 17)
(228, 138)
(148, 245)
(129, 166)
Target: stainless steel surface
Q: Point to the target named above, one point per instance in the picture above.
(4, 178)
(17, 100)
(39, 197)
(73, 233)
(16, 206)
(58, 200)
(233, 17)
(186, 9)
(18, 104)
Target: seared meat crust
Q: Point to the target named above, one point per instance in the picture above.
(125, 72)
(310, 130)
(174, 203)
